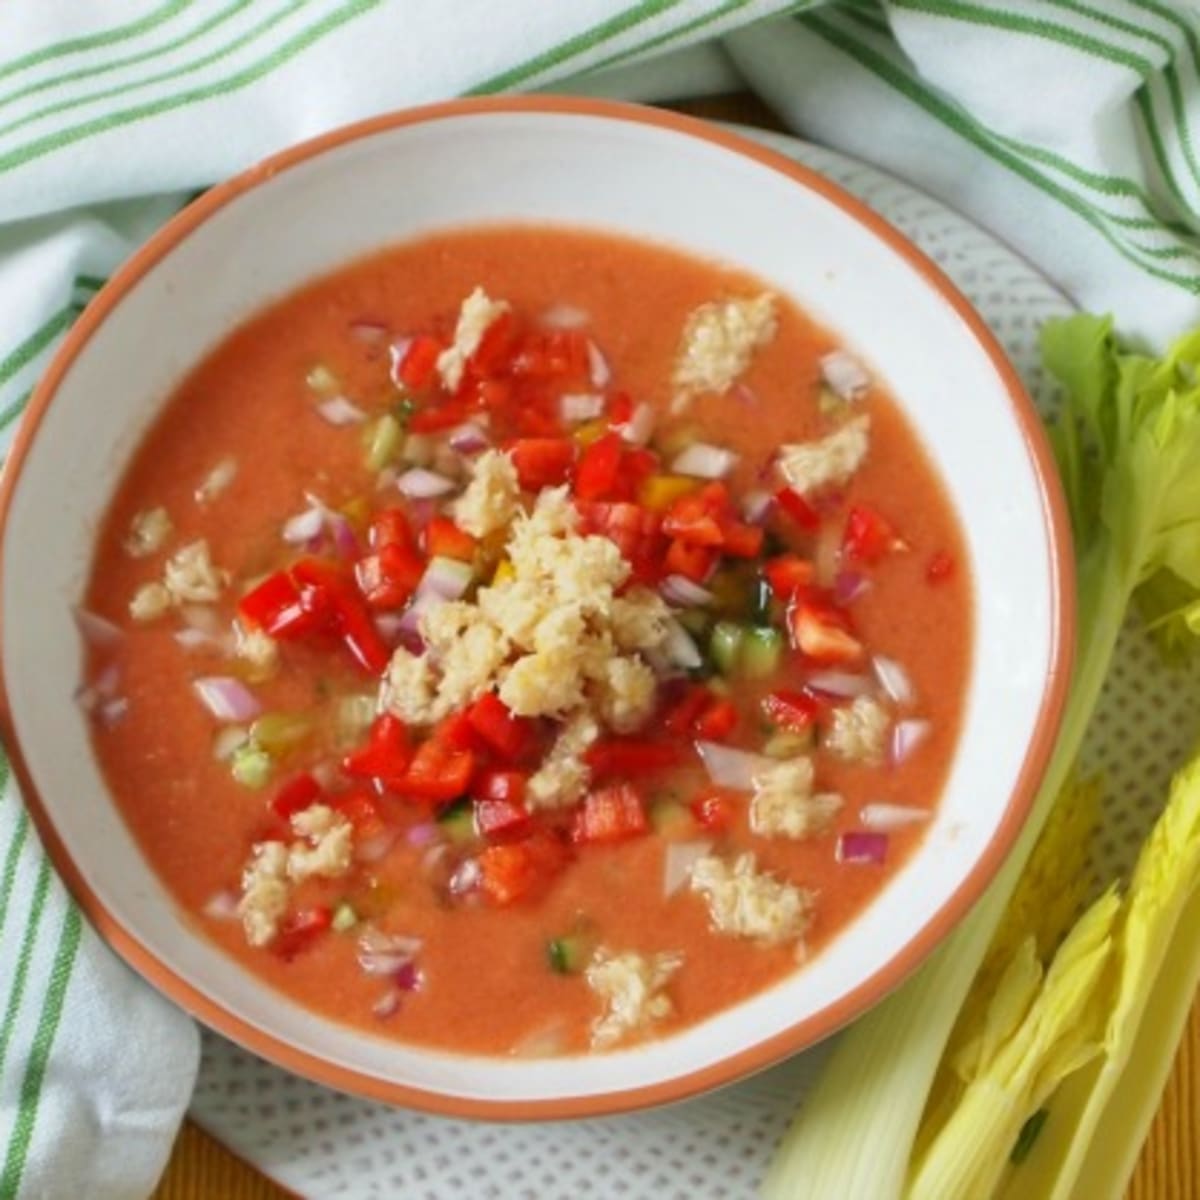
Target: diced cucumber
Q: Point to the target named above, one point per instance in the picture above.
(322, 381)
(383, 438)
(344, 918)
(695, 620)
(458, 821)
(762, 647)
(251, 766)
(725, 644)
(279, 732)
(671, 820)
(761, 602)
(785, 743)
(569, 955)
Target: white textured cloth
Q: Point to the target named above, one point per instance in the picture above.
(1066, 126)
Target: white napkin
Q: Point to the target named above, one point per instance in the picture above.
(1067, 126)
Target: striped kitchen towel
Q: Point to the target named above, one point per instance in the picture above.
(1069, 127)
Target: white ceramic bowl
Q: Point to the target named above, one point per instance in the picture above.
(580, 163)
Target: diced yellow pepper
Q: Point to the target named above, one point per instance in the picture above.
(357, 512)
(593, 431)
(659, 492)
(504, 572)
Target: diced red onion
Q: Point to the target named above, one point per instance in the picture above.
(200, 639)
(845, 374)
(396, 352)
(848, 586)
(894, 680)
(446, 578)
(326, 774)
(386, 479)
(906, 737)
(227, 741)
(434, 857)
(345, 541)
(468, 438)
(388, 1004)
(424, 834)
(544, 1042)
(683, 592)
(680, 649)
(599, 372)
(420, 484)
(372, 849)
(339, 411)
(732, 768)
(421, 512)
(640, 426)
(564, 316)
(217, 480)
(859, 846)
(889, 817)
(408, 978)
(841, 685)
(97, 630)
(581, 406)
(108, 681)
(757, 505)
(826, 554)
(221, 907)
(370, 333)
(376, 941)
(705, 461)
(745, 395)
(389, 627)
(226, 698)
(466, 877)
(303, 527)
(112, 711)
(678, 860)
(203, 617)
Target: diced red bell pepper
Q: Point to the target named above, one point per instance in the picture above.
(868, 536)
(495, 350)
(940, 568)
(620, 408)
(555, 354)
(301, 929)
(499, 820)
(793, 711)
(389, 577)
(798, 508)
(715, 809)
(506, 786)
(822, 633)
(295, 796)
(597, 471)
(494, 395)
(718, 720)
(325, 590)
(444, 539)
(416, 369)
(457, 732)
(362, 811)
(439, 772)
(741, 540)
(515, 871)
(542, 462)
(626, 757)
(681, 716)
(611, 814)
(276, 607)
(434, 418)
(506, 734)
(787, 574)
(390, 527)
(692, 562)
(637, 465)
(385, 757)
(690, 520)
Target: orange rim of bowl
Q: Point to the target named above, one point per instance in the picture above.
(760, 1054)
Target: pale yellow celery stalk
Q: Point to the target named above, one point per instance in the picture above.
(1095, 1125)
(1128, 450)
(1037, 1031)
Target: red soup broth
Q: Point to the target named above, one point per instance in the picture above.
(484, 982)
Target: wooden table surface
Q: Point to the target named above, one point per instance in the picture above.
(1169, 1168)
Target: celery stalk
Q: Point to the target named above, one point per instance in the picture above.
(1128, 449)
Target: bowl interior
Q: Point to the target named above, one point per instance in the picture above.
(581, 169)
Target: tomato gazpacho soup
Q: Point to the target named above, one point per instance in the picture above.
(527, 641)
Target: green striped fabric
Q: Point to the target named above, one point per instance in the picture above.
(1070, 127)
